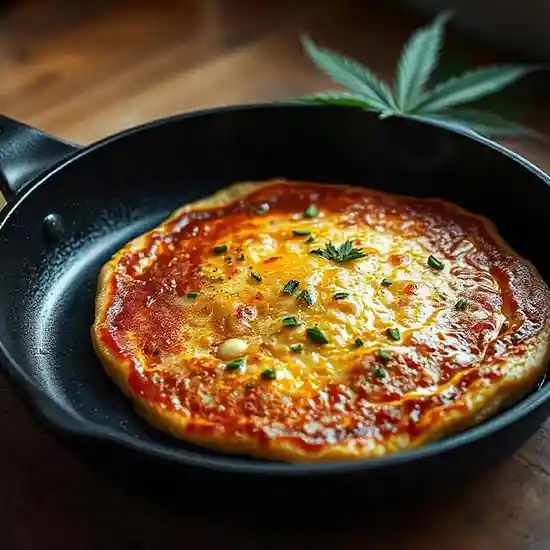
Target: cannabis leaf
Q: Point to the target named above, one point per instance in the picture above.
(472, 85)
(345, 99)
(412, 96)
(346, 252)
(485, 122)
(351, 74)
(418, 61)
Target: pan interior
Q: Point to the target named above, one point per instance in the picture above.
(63, 358)
(120, 189)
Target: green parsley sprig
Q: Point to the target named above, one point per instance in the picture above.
(346, 252)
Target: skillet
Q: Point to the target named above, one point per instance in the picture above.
(70, 208)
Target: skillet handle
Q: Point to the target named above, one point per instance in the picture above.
(25, 152)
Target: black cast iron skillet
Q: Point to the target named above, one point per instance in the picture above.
(69, 209)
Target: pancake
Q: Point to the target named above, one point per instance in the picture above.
(299, 321)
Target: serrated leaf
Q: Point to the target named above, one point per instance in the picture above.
(351, 74)
(471, 86)
(418, 61)
(345, 99)
(346, 252)
(416, 66)
(485, 123)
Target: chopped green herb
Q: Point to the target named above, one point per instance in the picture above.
(291, 286)
(249, 385)
(346, 252)
(256, 276)
(340, 295)
(310, 239)
(462, 304)
(434, 263)
(269, 374)
(316, 335)
(359, 343)
(386, 282)
(262, 209)
(311, 211)
(305, 296)
(393, 333)
(193, 294)
(301, 232)
(235, 393)
(235, 364)
(296, 348)
(383, 355)
(379, 373)
(290, 322)
(220, 248)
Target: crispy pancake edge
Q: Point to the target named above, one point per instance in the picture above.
(481, 401)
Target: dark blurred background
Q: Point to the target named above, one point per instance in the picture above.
(85, 69)
(521, 25)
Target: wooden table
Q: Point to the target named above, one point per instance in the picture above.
(82, 70)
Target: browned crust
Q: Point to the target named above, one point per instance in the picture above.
(481, 401)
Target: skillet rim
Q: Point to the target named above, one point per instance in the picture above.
(72, 423)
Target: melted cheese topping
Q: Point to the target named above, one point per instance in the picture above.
(428, 310)
(419, 303)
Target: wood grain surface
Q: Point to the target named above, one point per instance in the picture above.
(82, 70)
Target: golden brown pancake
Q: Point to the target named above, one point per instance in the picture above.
(305, 322)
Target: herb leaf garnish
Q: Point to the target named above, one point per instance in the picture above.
(435, 263)
(291, 286)
(346, 252)
(393, 333)
(236, 364)
(269, 374)
(305, 296)
(379, 373)
(301, 232)
(290, 322)
(462, 304)
(220, 249)
(414, 95)
(311, 211)
(317, 336)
